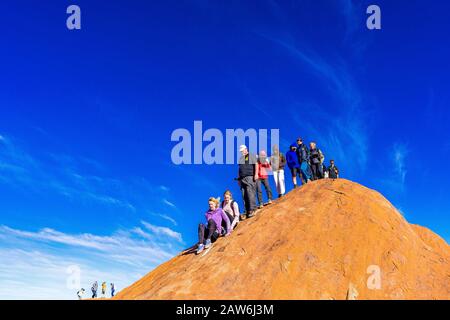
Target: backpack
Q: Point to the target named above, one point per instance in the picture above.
(232, 206)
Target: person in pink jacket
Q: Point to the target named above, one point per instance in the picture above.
(264, 169)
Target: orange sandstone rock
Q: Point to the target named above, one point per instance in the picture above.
(330, 239)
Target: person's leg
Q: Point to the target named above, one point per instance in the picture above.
(294, 176)
(268, 189)
(243, 197)
(251, 193)
(201, 233)
(314, 170)
(276, 178)
(281, 182)
(303, 173)
(300, 174)
(320, 166)
(259, 192)
(211, 228)
(230, 217)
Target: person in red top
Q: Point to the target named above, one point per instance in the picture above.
(263, 178)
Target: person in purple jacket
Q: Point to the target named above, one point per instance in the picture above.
(213, 229)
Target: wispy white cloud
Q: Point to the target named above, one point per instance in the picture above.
(164, 216)
(395, 169)
(163, 231)
(168, 218)
(341, 130)
(400, 152)
(164, 188)
(167, 202)
(66, 176)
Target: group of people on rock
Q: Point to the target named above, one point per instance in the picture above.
(94, 290)
(304, 162)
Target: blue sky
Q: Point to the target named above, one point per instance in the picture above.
(86, 176)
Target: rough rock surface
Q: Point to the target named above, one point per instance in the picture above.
(325, 240)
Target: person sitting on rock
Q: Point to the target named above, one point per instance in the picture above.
(231, 209)
(213, 229)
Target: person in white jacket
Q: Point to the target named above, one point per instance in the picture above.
(231, 208)
(278, 162)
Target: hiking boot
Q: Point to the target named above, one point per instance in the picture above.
(200, 248)
(207, 243)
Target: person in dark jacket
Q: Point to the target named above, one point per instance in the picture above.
(316, 159)
(293, 164)
(94, 289)
(333, 171)
(247, 176)
(303, 159)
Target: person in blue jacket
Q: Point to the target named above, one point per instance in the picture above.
(303, 159)
(293, 164)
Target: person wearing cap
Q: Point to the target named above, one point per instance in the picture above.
(303, 160)
(247, 176)
(278, 162)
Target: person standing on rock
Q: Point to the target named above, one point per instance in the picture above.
(292, 162)
(278, 162)
(113, 290)
(231, 209)
(333, 171)
(103, 289)
(247, 176)
(80, 293)
(210, 232)
(263, 178)
(94, 289)
(316, 159)
(303, 160)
